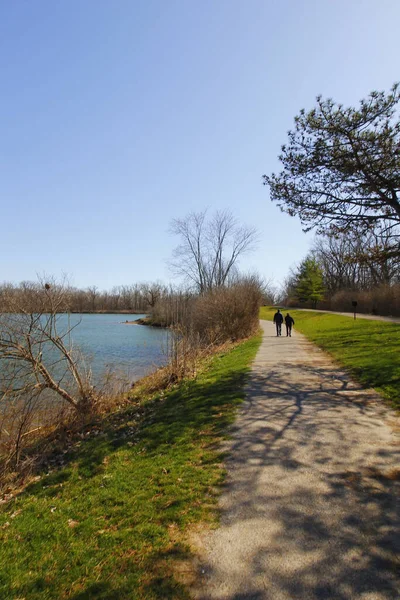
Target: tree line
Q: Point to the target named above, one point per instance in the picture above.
(337, 271)
(138, 297)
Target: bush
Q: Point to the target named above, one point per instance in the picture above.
(227, 314)
(383, 300)
(223, 314)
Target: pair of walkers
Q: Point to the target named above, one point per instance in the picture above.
(278, 320)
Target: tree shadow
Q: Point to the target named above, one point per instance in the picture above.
(199, 408)
(292, 425)
(314, 483)
(370, 368)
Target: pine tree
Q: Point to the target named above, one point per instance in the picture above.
(309, 283)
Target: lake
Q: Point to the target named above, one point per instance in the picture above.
(108, 342)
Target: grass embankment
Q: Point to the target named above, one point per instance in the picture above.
(111, 521)
(368, 349)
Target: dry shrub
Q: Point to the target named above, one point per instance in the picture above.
(202, 323)
(291, 303)
(382, 300)
(29, 419)
(29, 427)
(24, 420)
(227, 314)
(173, 309)
(184, 359)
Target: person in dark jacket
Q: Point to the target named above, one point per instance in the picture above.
(289, 322)
(278, 320)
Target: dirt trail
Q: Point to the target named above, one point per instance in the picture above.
(311, 507)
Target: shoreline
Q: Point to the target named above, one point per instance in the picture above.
(144, 321)
(108, 312)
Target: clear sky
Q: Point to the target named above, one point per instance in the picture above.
(118, 115)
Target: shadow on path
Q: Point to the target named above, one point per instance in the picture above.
(311, 507)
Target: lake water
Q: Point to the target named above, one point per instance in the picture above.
(109, 342)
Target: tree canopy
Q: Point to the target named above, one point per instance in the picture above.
(341, 166)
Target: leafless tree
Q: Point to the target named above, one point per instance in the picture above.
(36, 351)
(92, 293)
(209, 249)
(153, 292)
(357, 261)
(42, 374)
(132, 297)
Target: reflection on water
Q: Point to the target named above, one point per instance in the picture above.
(108, 342)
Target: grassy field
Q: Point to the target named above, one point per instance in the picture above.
(110, 521)
(368, 349)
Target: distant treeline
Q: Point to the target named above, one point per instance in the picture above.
(138, 297)
(134, 298)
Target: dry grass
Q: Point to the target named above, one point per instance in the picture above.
(29, 432)
(202, 326)
(108, 518)
(185, 366)
(59, 426)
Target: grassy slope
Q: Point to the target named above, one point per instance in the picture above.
(369, 349)
(109, 523)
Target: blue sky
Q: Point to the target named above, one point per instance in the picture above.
(117, 116)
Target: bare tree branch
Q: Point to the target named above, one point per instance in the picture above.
(210, 249)
(35, 354)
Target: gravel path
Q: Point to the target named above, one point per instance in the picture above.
(311, 507)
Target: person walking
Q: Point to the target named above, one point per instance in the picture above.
(278, 320)
(289, 322)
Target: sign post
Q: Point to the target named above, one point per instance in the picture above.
(354, 304)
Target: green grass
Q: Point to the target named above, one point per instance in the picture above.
(110, 522)
(368, 349)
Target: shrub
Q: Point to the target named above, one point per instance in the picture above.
(223, 314)
(382, 300)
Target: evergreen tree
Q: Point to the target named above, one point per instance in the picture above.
(341, 167)
(309, 283)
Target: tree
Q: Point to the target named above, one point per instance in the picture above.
(308, 284)
(41, 372)
(341, 166)
(153, 292)
(210, 249)
(93, 292)
(37, 355)
(356, 262)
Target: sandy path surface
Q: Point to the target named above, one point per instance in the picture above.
(311, 506)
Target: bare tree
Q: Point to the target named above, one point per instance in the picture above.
(92, 293)
(357, 261)
(37, 355)
(153, 292)
(90, 299)
(209, 249)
